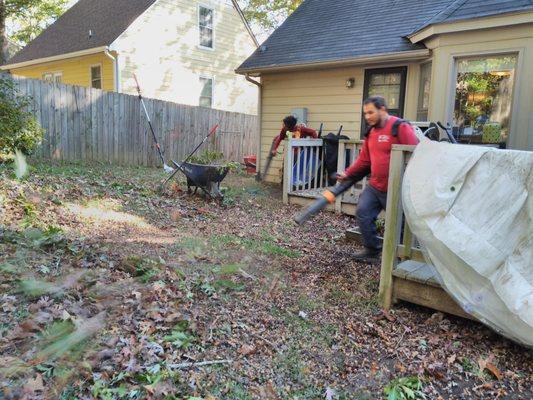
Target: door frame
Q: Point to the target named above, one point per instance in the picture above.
(403, 87)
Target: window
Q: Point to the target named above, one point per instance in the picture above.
(423, 92)
(388, 83)
(205, 26)
(483, 98)
(96, 77)
(53, 77)
(206, 92)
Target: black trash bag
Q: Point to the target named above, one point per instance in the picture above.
(331, 154)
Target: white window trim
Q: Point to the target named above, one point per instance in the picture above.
(200, 5)
(212, 89)
(422, 64)
(450, 103)
(53, 74)
(101, 75)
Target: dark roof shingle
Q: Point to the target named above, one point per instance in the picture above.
(336, 30)
(106, 19)
(469, 9)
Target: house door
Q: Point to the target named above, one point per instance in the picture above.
(388, 83)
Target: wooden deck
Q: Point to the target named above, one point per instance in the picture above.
(405, 274)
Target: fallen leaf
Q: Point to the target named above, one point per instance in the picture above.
(452, 359)
(494, 370)
(246, 350)
(35, 385)
(268, 392)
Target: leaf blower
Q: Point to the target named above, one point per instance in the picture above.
(328, 197)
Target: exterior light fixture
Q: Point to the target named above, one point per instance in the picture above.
(350, 83)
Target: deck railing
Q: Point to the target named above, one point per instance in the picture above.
(303, 166)
(304, 170)
(305, 173)
(348, 152)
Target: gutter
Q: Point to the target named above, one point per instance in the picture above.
(378, 58)
(259, 115)
(55, 58)
(116, 70)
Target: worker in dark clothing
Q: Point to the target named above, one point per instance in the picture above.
(374, 158)
(299, 132)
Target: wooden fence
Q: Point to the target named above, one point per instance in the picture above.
(84, 124)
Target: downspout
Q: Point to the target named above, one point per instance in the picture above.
(259, 114)
(116, 70)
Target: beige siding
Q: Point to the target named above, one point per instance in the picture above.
(494, 41)
(161, 47)
(327, 99)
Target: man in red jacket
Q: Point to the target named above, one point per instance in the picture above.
(290, 125)
(374, 158)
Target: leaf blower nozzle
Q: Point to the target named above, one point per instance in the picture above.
(327, 197)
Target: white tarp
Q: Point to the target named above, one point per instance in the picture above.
(471, 209)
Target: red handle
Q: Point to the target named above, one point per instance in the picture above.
(213, 130)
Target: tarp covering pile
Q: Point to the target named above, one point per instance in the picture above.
(471, 209)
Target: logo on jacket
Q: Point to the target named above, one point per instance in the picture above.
(383, 138)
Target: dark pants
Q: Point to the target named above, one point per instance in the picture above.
(370, 204)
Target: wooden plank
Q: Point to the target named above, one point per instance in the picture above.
(57, 122)
(406, 268)
(45, 113)
(340, 167)
(428, 296)
(87, 124)
(107, 129)
(392, 227)
(287, 178)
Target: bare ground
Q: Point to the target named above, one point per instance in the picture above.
(111, 289)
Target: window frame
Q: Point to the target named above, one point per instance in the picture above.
(212, 78)
(418, 105)
(53, 75)
(403, 70)
(212, 9)
(450, 101)
(101, 76)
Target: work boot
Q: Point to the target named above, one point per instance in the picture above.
(368, 255)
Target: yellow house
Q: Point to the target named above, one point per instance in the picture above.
(182, 51)
(464, 62)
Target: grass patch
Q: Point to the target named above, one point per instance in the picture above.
(405, 388)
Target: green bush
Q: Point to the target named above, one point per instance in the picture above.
(18, 127)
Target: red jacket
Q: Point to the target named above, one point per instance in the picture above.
(300, 131)
(376, 152)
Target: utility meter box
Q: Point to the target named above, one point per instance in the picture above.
(300, 114)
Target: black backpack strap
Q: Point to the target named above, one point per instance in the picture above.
(396, 126)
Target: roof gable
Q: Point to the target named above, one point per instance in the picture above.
(86, 25)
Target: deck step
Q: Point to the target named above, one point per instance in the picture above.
(418, 272)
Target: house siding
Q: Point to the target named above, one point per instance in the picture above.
(518, 39)
(76, 71)
(161, 48)
(327, 99)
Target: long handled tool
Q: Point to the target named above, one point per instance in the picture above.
(261, 176)
(159, 151)
(178, 166)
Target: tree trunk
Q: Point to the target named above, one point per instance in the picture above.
(3, 37)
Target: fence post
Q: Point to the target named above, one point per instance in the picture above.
(341, 162)
(393, 217)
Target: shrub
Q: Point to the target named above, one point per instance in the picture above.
(18, 127)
